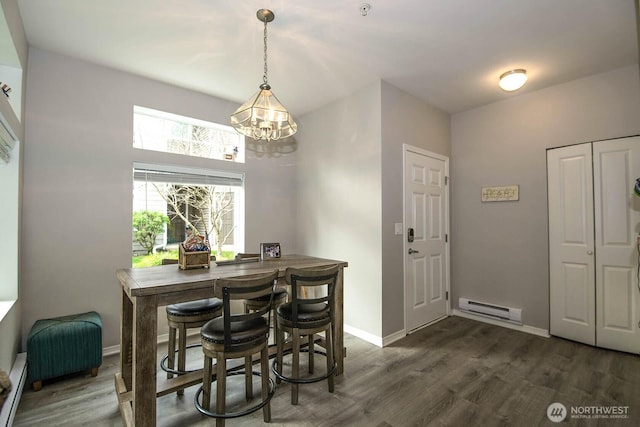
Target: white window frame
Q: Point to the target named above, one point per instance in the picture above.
(237, 157)
(194, 176)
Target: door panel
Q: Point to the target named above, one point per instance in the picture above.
(617, 222)
(617, 304)
(571, 260)
(426, 211)
(576, 294)
(436, 292)
(419, 282)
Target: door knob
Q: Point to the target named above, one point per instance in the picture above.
(589, 252)
(411, 251)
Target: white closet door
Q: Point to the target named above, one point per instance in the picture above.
(571, 259)
(617, 222)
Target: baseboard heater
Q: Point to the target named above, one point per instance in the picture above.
(18, 377)
(498, 312)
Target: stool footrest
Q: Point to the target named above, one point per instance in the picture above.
(204, 411)
(164, 367)
(278, 374)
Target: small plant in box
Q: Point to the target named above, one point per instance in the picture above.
(194, 251)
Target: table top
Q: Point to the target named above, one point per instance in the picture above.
(169, 278)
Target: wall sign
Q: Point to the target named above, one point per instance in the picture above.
(501, 194)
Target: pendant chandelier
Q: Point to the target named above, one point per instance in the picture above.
(263, 117)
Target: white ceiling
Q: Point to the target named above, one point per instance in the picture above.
(447, 52)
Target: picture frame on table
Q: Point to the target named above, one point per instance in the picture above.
(270, 251)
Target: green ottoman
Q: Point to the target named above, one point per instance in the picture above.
(64, 345)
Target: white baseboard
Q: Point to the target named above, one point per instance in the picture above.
(396, 336)
(17, 376)
(373, 339)
(108, 351)
(115, 349)
(367, 336)
(522, 328)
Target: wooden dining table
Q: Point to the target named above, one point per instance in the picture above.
(143, 290)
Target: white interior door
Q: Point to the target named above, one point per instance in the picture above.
(571, 243)
(426, 212)
(616, 166)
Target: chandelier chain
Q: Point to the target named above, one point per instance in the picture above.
(263, 117)
(264, 78)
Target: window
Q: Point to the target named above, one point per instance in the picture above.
(9, 218)
(171, 133)
(212, 202)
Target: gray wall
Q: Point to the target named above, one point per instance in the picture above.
(405, 120)
(339, 198)
(77, 197)
(350, 195)
(499, 251)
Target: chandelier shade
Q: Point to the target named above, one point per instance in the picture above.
(263, 117)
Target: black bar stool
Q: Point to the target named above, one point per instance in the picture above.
(234, 336)
(311, 310)
(180, 317)
(280, 296)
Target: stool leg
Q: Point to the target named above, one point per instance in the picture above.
(37, 385)
(329, 340)
(279, 351)
(295, 365)
(94, 372)
(171, 351)
(206, 383)
(275, 323)
(248, 378)
(264, 364)
(311, 352)
(182, 351)
(221, 382)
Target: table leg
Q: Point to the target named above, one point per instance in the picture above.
(145, 331)
(126, 336)
(338, 327)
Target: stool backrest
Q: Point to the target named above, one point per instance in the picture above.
(244, 288)
(311, 286)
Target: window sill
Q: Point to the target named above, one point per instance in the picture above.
(5, 306)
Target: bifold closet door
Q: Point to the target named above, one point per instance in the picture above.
(594, 221)
(616, 165)
(571, 243)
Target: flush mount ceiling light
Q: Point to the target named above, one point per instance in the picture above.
(263, 117)
(513, 80)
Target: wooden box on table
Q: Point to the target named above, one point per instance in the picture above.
(196, 259)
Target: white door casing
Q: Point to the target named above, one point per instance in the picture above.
(571, 243)
(616, 165)
(426, 211)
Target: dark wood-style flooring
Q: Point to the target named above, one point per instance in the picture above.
(458, 372)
